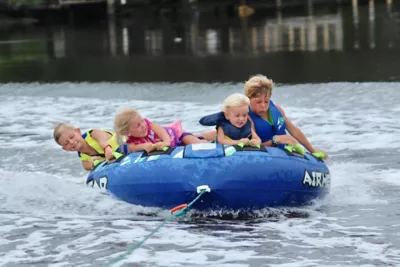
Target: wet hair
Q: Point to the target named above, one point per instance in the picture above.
(59, 128)
(258, 85)
(122, 122)
(235, 100)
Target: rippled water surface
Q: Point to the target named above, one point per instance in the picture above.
(48, 217)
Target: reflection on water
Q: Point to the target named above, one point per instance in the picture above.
(282, 39)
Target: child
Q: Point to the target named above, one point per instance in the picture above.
(93, 146)
(143, 134)
(233, 124)
(270, 120)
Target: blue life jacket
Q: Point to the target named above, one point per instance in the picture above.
(213, 119)
(266, 130)
(230, 131)
(115, 146)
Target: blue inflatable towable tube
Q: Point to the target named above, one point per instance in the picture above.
(239, 178)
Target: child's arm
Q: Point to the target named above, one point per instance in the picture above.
(267, 143)
(224, 141)
(148, 147)
(255, 135)
(89, 164)
(255, 139)
(296, 133)
(163, 134)
(103, 139)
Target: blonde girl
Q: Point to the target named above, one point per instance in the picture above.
(142, 134)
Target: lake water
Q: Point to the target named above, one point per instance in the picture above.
(48, 217)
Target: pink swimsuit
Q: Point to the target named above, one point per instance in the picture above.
(174, 130)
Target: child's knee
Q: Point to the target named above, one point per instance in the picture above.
(191, 139)
(210, 135)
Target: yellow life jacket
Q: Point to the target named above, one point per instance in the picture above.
(123, 149)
